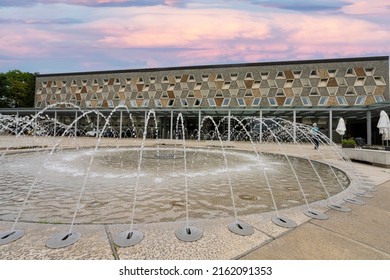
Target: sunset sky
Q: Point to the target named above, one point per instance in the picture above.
(50, 36)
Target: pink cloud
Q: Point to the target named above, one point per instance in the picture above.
(369, 7)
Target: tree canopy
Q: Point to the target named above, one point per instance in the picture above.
(17, 89)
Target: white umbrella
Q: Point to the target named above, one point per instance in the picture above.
(384, 126)
(341, 128)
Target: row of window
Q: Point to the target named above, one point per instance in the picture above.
(211, 102)
(285, 74)
(304, 83)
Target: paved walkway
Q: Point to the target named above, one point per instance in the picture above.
(362, 233)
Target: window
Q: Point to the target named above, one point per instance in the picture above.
(360, 81)
(323, 101)
(205, 77)
(360, 100)
(288, 83)
(152, 79)
(226, 102)
(332, 73)
(264, 75)
(288, 101)
(297, 74)
(379, 98)
(164, 80)
(191, 78)
(140, 80)
(305, 101)
(272, 101)
(379, 81)
(314, 91)
(218, 93)
(133, 103)
(234, 76)
(369, 71)
(211, 102)
(314, 73)
(171, 102)
(198, 86)
(280, 75)
(177, 79)
(128, 81)
(110, 103)
(197, 102)
(219, 77)
(350, 72)
(145, 103)
(280, 92)
(241, 102)
(190, 94)
(184, 102)
(249, 76)
(256, 101)
(341, 100)
(226, 85)
(256, 84)
(322, 82)
(157, 103)
(248, 93)
(350, 91)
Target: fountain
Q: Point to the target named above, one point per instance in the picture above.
(138, 181)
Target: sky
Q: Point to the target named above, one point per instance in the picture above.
(59, 36)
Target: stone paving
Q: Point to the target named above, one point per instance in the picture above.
(362, 233)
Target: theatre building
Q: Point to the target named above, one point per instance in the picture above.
(311, 91)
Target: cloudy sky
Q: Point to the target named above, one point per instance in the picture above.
(50, 36)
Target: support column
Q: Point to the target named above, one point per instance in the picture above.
(261, 127)
(330, 125)
(295, 126)
(369, 129)
(75, 124)
(55, 123)
(171, 128)
(97, 124)
(229, 122)
(120, 123)
(199, 123)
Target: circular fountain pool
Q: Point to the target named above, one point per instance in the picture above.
(110, 185)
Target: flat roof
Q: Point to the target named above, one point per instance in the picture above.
(253, 64)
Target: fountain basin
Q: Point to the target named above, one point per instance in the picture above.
(109, 193)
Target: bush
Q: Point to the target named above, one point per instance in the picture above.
(348, 142)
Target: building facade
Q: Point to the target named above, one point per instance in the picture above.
(320, 91)
(316, 83)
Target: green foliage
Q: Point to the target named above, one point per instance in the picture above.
(349, 141)
(17, 89)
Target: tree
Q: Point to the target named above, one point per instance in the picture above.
(17, 89)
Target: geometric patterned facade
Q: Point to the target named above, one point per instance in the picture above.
(291, 84)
